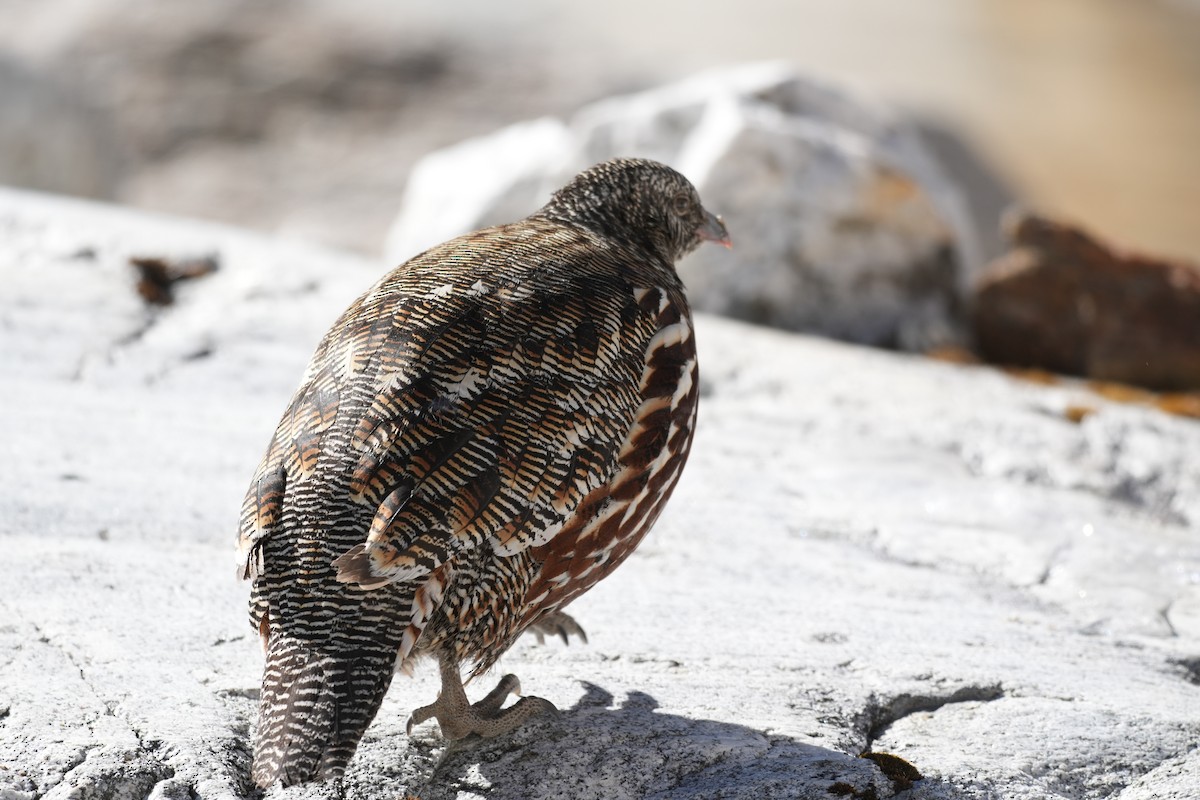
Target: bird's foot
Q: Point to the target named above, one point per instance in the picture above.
(459, 719)
(557, 623)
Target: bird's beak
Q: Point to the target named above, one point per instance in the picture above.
(713, 230)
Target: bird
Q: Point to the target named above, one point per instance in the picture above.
(483, 435)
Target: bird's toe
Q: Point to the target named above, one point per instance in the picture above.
(558, 624)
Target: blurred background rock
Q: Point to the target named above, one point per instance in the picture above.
(306, 117)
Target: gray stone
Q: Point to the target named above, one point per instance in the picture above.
(868, 550)
(842, 223)
(50, 139)
(299, 118)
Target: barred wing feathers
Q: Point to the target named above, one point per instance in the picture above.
(485, 389)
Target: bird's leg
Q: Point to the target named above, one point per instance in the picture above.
(459, 718)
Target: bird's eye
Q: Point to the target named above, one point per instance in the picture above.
(681, 204)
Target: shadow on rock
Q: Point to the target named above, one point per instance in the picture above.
(594, 750)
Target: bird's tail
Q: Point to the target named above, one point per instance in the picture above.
(317, 701)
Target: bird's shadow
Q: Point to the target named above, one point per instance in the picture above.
(595, 750)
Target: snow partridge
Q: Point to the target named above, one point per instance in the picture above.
(481, 437)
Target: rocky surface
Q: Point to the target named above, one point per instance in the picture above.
(302, 118)
(1064, 301)
(868, 550)
(845, 224)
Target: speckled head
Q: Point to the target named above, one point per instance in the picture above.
(639, 202)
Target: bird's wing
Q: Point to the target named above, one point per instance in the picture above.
(497, 405)
(291, 457)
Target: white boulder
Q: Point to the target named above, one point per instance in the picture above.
(842, 223)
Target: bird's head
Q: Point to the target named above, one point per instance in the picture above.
(639, 202)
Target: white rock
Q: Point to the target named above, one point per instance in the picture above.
(842, 223)
(504, 180)
(1184, 612)
(1176, 779)
(867, 549)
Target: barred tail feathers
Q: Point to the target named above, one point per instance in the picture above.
(316, 704)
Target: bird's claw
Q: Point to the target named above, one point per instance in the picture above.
(557, 623)
(485, 718)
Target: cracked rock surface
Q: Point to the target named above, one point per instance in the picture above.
(867, 551)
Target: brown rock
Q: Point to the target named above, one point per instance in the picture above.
(1064, 301)
(157, 276)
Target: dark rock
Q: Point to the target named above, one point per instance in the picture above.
(157, 276)
(1065, 301)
